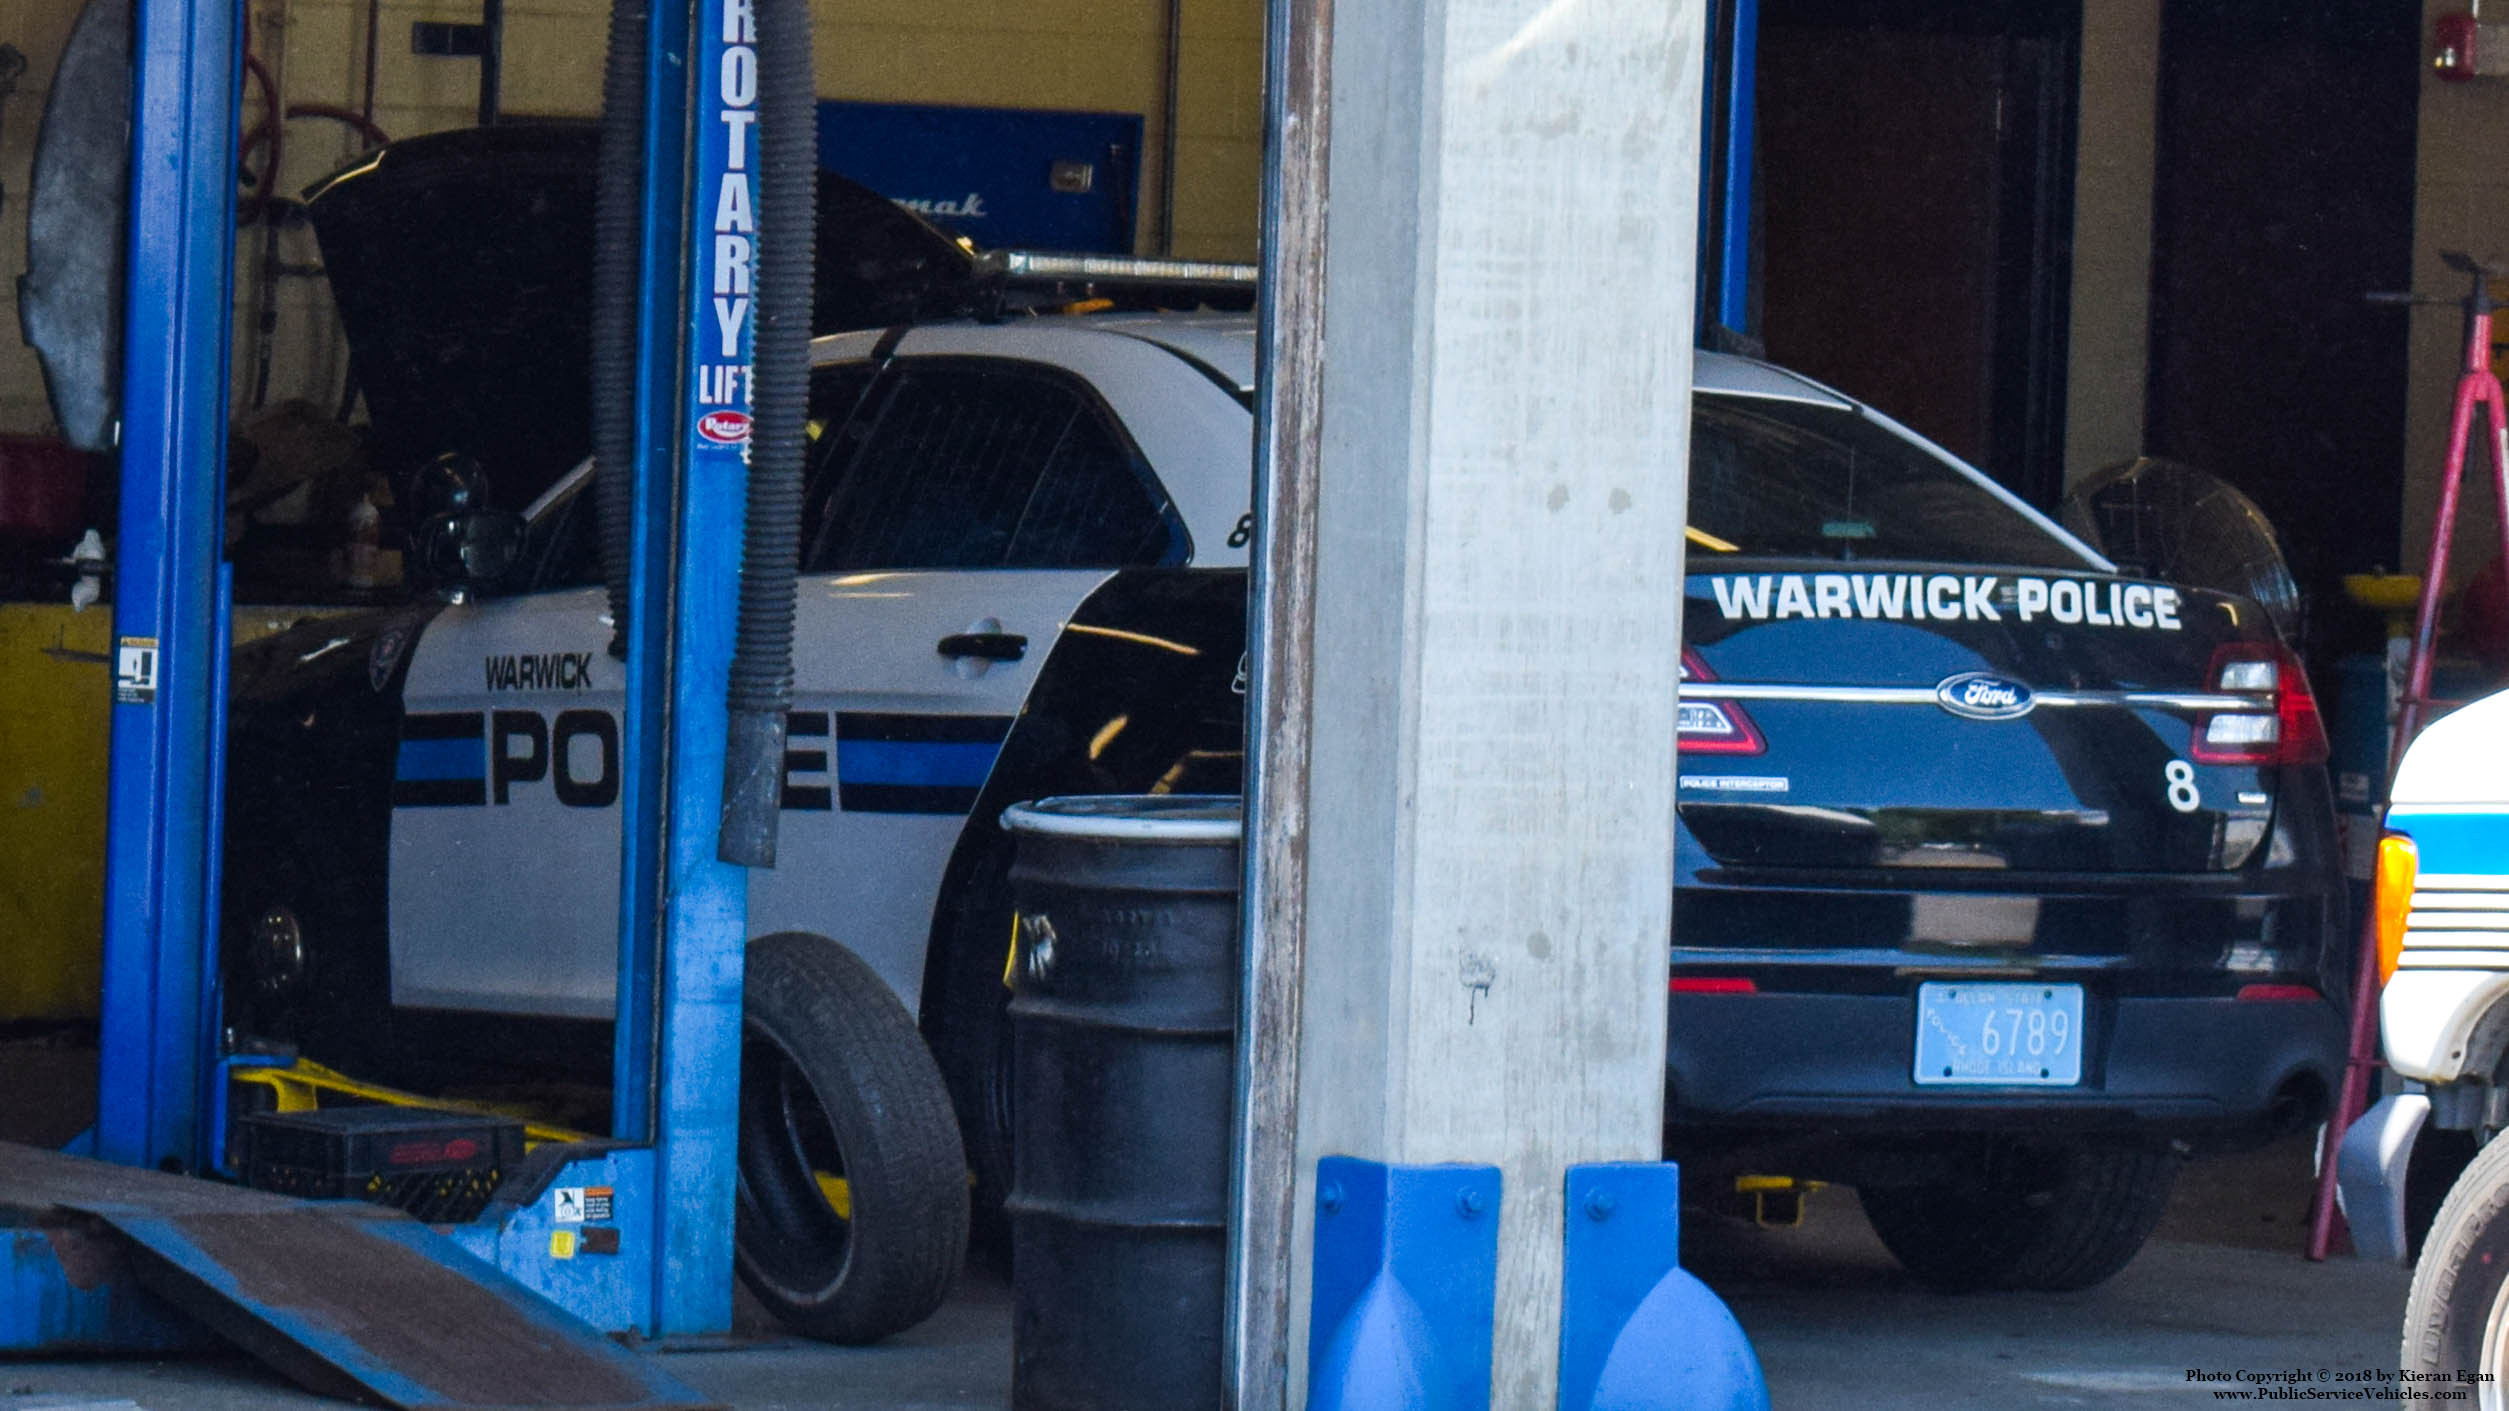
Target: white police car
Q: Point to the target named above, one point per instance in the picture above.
(2003, 876)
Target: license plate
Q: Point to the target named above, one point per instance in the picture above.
(2005, 1034)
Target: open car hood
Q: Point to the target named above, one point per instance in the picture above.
(461, 263)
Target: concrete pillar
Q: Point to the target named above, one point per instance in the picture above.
(1481, 221)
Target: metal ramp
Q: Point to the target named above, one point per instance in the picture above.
(346, 1299)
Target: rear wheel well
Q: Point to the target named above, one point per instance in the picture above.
(2487, 1044)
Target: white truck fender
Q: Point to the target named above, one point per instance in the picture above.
(2427, 1018)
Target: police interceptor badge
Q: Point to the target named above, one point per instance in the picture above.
(1983, 695)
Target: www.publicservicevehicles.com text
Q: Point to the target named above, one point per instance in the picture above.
(2338, 1384)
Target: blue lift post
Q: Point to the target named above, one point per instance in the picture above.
(1737, 132)
(157, 1041)
(1731, 101)
(683, 913)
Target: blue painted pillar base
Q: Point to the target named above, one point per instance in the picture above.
(1637, 1331)
(1406, 1273)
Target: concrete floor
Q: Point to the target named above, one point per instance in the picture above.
(2222, 1287)
(1835, 1323)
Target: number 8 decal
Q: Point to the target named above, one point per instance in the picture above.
(2180, 777)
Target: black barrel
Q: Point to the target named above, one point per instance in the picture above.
(1124, 1016)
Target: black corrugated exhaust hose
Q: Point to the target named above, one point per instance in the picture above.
(761, 688)
(617, 194)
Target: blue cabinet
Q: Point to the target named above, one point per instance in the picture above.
(1006, 178)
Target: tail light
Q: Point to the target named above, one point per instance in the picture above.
(2284, 728)
(2276, 994)
(1714, 985)
(2391, 898)
(1713, 726)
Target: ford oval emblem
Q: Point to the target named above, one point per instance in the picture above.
(1983, 695)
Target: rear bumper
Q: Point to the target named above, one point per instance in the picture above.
(2178, 1066)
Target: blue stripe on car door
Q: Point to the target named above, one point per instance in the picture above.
(443, 759)
(926, 764)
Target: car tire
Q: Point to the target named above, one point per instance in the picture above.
(2457, 1316)
(2045, 1216)
(836, 1082)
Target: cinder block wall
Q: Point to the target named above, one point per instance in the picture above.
(39, 28)
(2461, 202)
(2110, 348)
(1106, 55)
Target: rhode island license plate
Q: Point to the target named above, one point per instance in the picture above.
(2004, 1033)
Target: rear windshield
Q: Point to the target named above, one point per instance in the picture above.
(1772, 479)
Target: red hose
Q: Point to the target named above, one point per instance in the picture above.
(252, 207)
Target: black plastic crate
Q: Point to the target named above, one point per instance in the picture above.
(439, 1166)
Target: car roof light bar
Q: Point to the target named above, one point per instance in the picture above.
(1029, 266)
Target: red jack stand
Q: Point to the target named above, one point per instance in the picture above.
(2475, 383)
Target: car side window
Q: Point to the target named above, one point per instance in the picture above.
(1782, 479)
(564, 550)
(836, 429)
(976, 465)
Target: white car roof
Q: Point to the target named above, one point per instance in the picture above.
(1224, 344)
(1200, 451)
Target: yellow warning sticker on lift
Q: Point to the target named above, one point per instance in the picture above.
(561, 1244)
(135, 671)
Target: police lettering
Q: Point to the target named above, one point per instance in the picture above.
(574, 789)
(548, 671)
(578, 754)
(1945, 597)
(507, 766)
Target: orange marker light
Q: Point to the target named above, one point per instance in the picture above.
(2399, 862)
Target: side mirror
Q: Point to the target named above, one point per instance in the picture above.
(471, 550)
(463, 545)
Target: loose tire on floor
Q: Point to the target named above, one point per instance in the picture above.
(837, 1086)
(2047, 1216)
(2457, 1316)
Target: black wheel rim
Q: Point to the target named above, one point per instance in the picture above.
(789, 1231)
